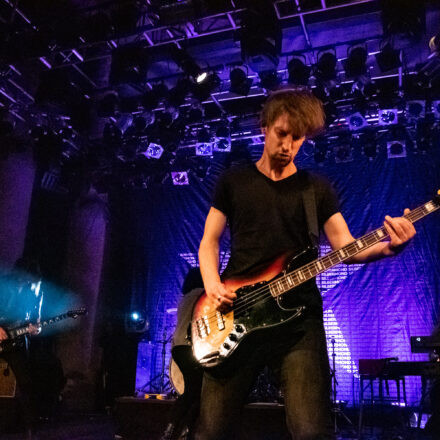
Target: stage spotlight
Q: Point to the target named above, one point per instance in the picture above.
(415, 110)
(136, 322)
(154, 151)
(388, 58)
(222, 140)
(396, 149)
(355, 64)
(356, 121)
(180, 178)
(196, 113)
(343, 153)
(201, 171)
(299, 73)
(203, 91)
(388, 116)
(370, 150)
(188, 64)
(240, 83)
(204, 143)
(436, 109)
(326, 67)
(269, 79)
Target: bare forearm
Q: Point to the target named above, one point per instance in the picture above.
(209, 259)
(374, 253)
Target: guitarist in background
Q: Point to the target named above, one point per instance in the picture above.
(21, 300)
(263, 205)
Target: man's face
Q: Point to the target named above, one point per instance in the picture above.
(281, 144)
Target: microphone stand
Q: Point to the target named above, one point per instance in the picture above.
(336, 407)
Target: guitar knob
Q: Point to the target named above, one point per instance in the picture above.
(226, 345)
(239, 328)
(233, 337)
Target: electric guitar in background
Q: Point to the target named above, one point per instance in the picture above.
(16, 334)
(216, 336)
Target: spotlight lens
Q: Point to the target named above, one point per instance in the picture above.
(356, 121)
(135, 316)
(200, 78)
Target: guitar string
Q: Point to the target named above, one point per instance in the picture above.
(243, 303)
(247, 301)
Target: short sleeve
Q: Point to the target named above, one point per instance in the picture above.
(326, 199)
(221, 200)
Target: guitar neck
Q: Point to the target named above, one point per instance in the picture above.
(24, 329)
(311, 270)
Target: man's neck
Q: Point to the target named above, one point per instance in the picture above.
(273, 171)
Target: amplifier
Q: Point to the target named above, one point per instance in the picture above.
(7, 380)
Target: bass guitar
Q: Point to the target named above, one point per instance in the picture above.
(16, 334)
(216, 336)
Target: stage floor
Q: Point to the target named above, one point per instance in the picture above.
(141, 419)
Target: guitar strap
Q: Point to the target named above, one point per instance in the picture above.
(309, 202)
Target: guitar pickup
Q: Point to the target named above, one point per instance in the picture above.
(220, 321)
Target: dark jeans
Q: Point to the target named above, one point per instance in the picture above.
(19, 363)
(301, 364)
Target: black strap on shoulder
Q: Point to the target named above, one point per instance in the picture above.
(309, 202)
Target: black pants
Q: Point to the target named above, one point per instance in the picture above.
(19, 363)
(301, 364)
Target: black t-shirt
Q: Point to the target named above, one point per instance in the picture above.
(267, 218)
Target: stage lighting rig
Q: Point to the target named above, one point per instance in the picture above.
(388, 116)
(269, 79)
(396, 149)
(388, 58)
(240, 83)
(154, 151)
(180, 178)
(343, 153)
(415, 110)
(136, 321)
(370, 150)
(203, 90)
(188, 64)
(356, 121)
(356, 63)
(222, 140)
(204, 143)
(299, 72)
(326, 67)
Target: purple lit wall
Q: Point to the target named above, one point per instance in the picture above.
(370, 310)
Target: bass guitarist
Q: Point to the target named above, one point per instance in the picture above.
(263, 205)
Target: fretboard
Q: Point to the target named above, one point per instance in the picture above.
(307, 272)
(24, 330)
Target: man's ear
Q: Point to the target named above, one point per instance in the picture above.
(263, 130)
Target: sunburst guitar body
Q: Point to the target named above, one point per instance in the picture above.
(261, 299)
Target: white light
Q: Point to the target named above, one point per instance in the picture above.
(201, 77)
(135, 316)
